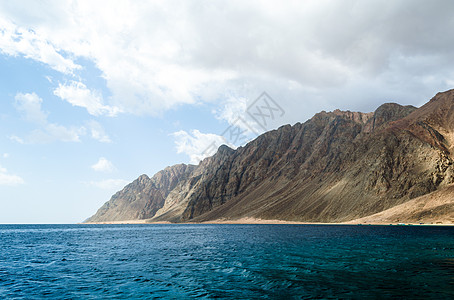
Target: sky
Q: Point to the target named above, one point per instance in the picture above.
(95, 93)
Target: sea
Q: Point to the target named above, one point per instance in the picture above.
(181, 261)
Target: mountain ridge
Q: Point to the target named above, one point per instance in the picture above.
(335, 167)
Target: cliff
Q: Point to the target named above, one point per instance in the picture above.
(337, 166)
(142, 198)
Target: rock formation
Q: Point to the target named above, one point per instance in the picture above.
(142, 198)
(336, 167)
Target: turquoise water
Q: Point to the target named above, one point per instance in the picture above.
(226, 261)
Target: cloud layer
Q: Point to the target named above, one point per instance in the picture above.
(160, 54)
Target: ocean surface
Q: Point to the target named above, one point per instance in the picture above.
(226, 261)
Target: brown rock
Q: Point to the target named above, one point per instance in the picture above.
(337, 166)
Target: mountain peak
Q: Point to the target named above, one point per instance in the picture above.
(447, 95)
(434, 121)
(389, 112)
(143, 177)
(335, 167)
(225, 149)
(438, 110)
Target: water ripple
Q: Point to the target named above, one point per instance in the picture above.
(225, 261)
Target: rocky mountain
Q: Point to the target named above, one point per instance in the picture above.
(336, 167)
(142, 198)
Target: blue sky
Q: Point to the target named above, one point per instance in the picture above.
(95, 93)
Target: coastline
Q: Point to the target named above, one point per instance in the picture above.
(257, 221)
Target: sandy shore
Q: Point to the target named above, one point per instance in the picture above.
(250, 220)
(128, 222)
(219, 221)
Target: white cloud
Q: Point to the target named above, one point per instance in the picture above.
(79, 95)
(234, 111)
(16, 40)
(109, 184)
(17, 139)
(103, 165)
(198, 145)
(29, 105)
(97, 132)
(156, 55)
(9, 179)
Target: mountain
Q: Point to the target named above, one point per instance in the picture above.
(435, 207)
(142, 198)
(336, 167)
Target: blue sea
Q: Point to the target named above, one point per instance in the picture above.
(226, 261)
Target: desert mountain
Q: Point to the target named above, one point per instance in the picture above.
(336, 167)
(142, 198)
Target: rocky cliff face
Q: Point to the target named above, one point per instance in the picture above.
(142, 198)
(337, 166)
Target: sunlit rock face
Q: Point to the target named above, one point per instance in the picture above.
(335, 167)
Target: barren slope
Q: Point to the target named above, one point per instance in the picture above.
(337, 166)
(434, 208)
